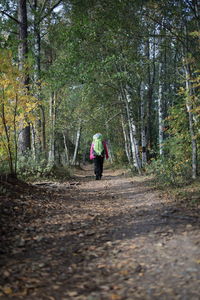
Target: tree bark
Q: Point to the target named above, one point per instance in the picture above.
(191, 119)
(25, 135)
(52, 118)
(8, 139)
(143, 125)
(66, 149)
(78, 136)
(160, 112)
(189, 106)
(151, 71)
(132, 132)
(37, 54)
(126, 140)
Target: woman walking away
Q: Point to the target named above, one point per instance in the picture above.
(98, 151)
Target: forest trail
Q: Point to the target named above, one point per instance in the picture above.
(112, 239)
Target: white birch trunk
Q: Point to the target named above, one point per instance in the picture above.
(41, 130)
(78, 136)
(160, 113)
(191, 121)
(51, 158)
(189, 107)
(66, 149)
(133, 134)
(25, 132)
(33, 136)
(143, 131)
(126, 141)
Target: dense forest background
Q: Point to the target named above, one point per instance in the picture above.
(129, 69)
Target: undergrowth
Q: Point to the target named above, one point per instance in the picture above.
(188, 194)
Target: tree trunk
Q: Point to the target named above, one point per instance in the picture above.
(78, 136)
(25, 135)
(151, 71)
(43, 127)
(15, 135)
(9, 147)
(143, 126)
(37, 53)
(189, 106)
(133, 133)
(66, 149)
(52, 118)
(34, 151)
(190, 117)
(160, 112)
(126, 140)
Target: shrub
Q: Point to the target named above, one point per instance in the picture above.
(168, 172)
(174, 168)
(31, 169)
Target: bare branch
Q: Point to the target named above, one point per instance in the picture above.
(117, 114)
(43, 6)
(167, 27)
(31, 6)
(9, 16)
(192, 7)
(50, 10)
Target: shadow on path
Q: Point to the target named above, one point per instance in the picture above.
(111, 239)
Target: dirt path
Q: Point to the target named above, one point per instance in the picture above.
(112, 239)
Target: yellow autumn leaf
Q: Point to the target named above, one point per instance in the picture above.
(7, 290)
(124, 272)
(198, 261)
(115, 297)
(195, 33)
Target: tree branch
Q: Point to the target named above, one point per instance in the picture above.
(117, 114)
(43, 6)
(167, 27)
(31, 6)
(9, 16)
(50, 10)
(193, 9)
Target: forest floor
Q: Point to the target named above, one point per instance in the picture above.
(114, 239)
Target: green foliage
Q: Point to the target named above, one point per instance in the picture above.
(16, 108)
(89, 52)
(4, 166)
(30, 169)
(57, 172)
(168, 172)
(175, 167)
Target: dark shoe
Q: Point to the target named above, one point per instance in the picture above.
(97, 177)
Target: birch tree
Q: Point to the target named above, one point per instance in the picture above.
(143, 125)
(126, 139)
(52, 121)
(160, 111)
(77, 142)
(189, 106)
(132, 131)
(25, 135)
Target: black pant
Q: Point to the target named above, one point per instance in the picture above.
(98, 166)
